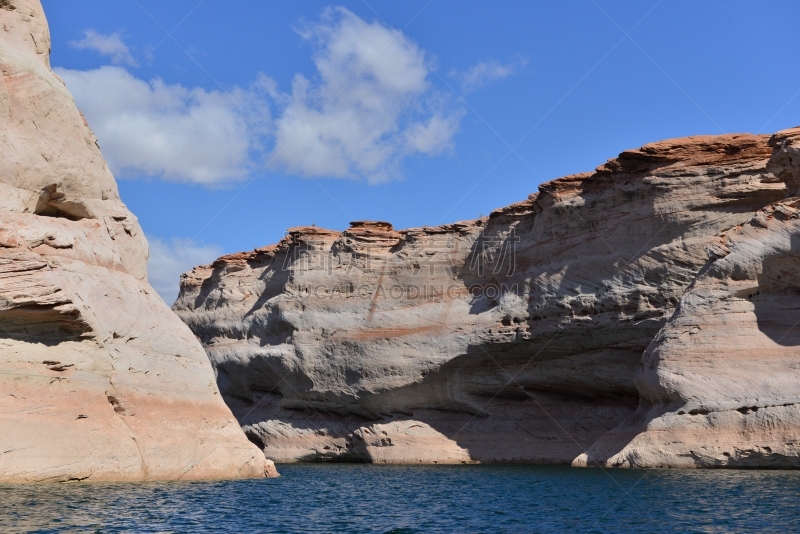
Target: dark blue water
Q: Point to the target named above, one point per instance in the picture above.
(365, 498)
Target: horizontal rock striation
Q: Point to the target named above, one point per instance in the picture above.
(518, 336)
(720, 383)
(98, 378)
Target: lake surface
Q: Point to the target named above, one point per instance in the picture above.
(367, 498)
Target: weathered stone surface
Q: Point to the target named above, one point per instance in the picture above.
(514, 337)
(720, 384)
(98, 378)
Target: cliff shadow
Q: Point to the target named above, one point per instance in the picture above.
(776, 300)
(500, 409)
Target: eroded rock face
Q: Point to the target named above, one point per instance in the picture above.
(720, 384)
(516, 337)
(98, 378)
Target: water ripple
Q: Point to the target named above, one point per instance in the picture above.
(406, 500)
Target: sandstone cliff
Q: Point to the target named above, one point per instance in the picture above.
(519, 336)
(98, 379)
(720, 383)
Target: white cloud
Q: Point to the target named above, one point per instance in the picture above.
(169, 259)
(484, 72)
(434, 136)
(370, 106)
(158, 129)
(110, 45)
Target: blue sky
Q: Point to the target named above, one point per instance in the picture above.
(227, 125)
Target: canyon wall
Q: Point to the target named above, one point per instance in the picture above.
(720, 383)
(98, 378)
(519, 337)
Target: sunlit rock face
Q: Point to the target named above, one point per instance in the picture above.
(98, 378)
(720, 383)
(520, 336)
